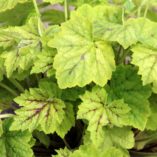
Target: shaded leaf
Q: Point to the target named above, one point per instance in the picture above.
(15, 143)
(127, 84)
(9, 4)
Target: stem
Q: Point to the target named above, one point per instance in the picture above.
(139, 11)
(66, 10)
(123, 56)
(39, 16)
(146, 10)
(14, 93)
(6, 115)
(118, 54)
(143, 2)
(17, 85)
(123, 13)
(66, 143)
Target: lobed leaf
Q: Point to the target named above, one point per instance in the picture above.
(127, 84)
(146, 59)
(15, 143)
(100, 111)
(81, 59)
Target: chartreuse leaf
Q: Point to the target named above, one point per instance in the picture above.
(5, 39)
(152, 123)
(43, 111)
(25, 46)
(125, 34)
(67, 123)
(52, 90)
(127, 84)
(120, 137)
(146, 59)
(39, 111)
(9, 4)
(128, 33)
(148, 33)
(63, 152)
(81, 59)
(99, 110)
(92, 151)
(44, 61)
(113, 143)
(15, 143)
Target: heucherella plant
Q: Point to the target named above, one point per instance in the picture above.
(78, 78)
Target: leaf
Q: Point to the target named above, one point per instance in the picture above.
(53, 16)
(146, 59)
(72, 94)
(67, 123)
(63, 153)
(99, 111)
(23, 52)
(44, 61)
(39, 111)
(92, 151)
(16, 16)
(152, 123)
(42, 137)
(120, 137)
(81, 59)
(9, 4)
(125, 34)
(148, 34)
(15, 143)
(52, 90)
(129, 6)
(6, 41)
(127, 85)
(128, 33)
